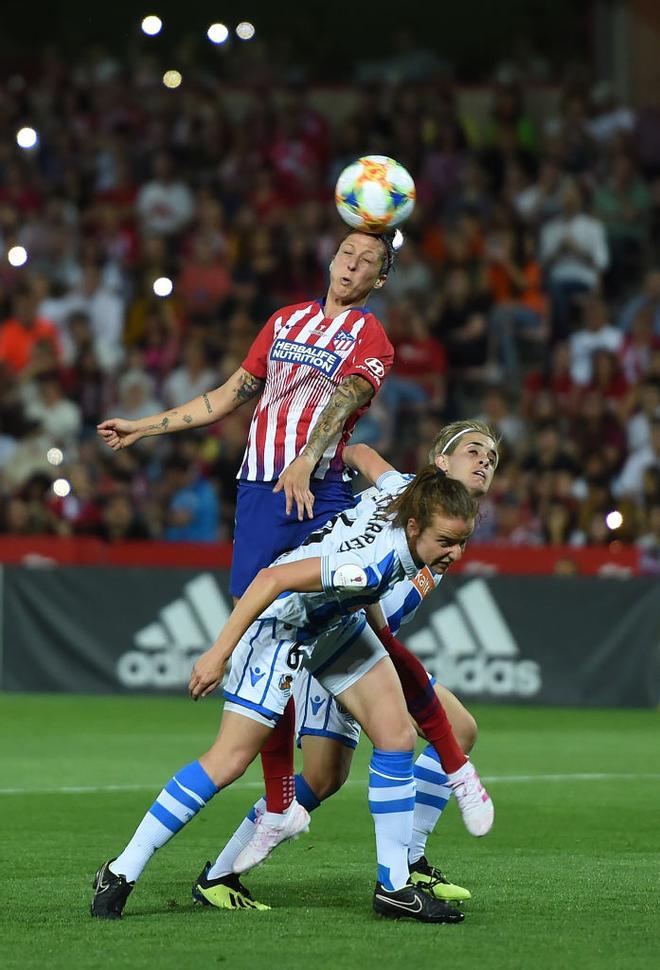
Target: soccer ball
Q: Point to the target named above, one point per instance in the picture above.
(375, 193)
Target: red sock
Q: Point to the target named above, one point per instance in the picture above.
(277, 762)
(423, 703)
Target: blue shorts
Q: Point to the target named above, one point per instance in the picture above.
(263, 531)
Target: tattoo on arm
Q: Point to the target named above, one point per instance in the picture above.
(248, 387)
(161, 426)
(351, 394)
(187, 418)
(205, 399)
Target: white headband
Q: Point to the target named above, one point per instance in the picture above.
(453, 439)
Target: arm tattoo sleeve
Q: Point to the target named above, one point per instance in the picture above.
(351, 394)
(248, 386)
(205, 399)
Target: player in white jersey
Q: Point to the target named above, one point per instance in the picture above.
(327, 734)
(310, 605)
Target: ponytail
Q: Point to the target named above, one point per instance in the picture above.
(429, 492)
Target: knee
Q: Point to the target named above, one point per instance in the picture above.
(224, 768)
(397, 738)
(466, 732)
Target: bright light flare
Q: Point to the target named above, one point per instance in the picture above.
(245, 30)
(152, 25)
(61, 487)
(163, 286)
(217, 33)
(26, 138)
(398, 239)
(55, 456)
(17, 256)
(172, 79)
(614, 520)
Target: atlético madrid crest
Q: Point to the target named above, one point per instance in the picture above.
(343, 341)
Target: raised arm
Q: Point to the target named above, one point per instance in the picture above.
(353, 392)
(209, 407)
(366, 461)
(302, 577)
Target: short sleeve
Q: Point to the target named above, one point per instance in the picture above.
(393, 481)
(256, 361)
(373, 356)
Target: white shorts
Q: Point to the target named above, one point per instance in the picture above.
(267, 662)
(319, 715)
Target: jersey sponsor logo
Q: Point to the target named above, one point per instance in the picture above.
(343, 341)
(423, 582)
(470, 648)
(376, 367)
(290, 352)
(165, 650)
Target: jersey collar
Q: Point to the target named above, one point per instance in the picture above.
(358, 309)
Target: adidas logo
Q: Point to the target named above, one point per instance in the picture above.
(470, 648)
(166, 649)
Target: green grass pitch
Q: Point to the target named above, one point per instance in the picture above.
(568, 878)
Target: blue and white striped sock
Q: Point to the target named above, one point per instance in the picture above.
(224, 864)
(391, 803)
(180, 800)
(431, 798)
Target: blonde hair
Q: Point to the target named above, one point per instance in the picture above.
(446, 440)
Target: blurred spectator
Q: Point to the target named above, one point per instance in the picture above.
(20, 332)
(136, 395)
(45, 404)
(165, 205)
(609, 117)
(542, 200)
(120, 521)
(595, 334)
(204, 281)
(630, 481)
(623, 201)
(520, 311)
(192, 378)
(645, 407)
(574, 255)
(193, 512)
(648, 299)
(418, 377)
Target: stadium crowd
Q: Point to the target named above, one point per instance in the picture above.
(527, 291)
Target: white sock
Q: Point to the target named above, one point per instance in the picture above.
(224, 864)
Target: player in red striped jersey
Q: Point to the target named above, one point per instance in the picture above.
(316, 366)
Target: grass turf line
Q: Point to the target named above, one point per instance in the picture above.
(568, 877)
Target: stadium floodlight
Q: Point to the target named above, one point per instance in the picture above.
(245, 30)
(217, 33)
(163, 286)
(61, 487)
(172, 79)
(152, 25)
(27, 138)
(614, 520)
(55, 456)
(17, 256)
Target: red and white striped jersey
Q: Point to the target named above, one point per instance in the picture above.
(303, 356)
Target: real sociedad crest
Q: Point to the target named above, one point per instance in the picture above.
(343, 341)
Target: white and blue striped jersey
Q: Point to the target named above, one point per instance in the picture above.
(400, 604)
(361, 537)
